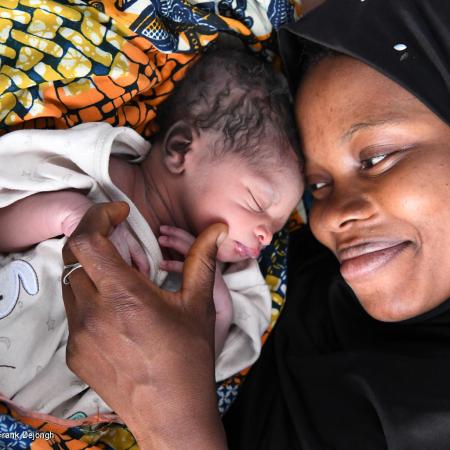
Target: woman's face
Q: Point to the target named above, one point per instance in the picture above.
(378, 162)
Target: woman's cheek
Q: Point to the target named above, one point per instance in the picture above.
(318, 228)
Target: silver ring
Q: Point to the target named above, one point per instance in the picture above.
(71, 268)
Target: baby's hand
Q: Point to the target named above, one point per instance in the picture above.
(181, 241)
(130, 249)
(175, 239)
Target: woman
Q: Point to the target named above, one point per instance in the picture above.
(378, 165)
(338, 372)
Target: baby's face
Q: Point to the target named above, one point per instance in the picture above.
(253, 203)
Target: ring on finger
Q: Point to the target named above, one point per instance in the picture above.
(71, 268)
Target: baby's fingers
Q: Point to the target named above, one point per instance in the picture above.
(172, 266)
(130, 249)
(177, 232)
(176, 239)
(139, 259)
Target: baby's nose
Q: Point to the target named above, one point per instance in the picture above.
(264, 236)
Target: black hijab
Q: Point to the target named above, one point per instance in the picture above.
(406, 40)
(330, 376)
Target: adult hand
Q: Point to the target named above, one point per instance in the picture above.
(147, 352)
(181, 241)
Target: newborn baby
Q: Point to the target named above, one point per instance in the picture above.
(226, 152)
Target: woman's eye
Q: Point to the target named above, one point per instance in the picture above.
(316, 186)
(371, 162)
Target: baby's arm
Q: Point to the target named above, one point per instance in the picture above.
(40, 217)
(46, 215)
(181, 241)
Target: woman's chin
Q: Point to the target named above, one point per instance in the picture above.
(387, 313)
(393, 307)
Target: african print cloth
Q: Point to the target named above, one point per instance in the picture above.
(66, 62)
(70, 61)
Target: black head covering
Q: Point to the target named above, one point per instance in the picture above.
(407, 40)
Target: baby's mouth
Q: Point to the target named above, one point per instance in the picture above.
(246, 252)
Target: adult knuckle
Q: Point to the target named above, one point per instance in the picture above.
(112, 282)
(209, 264)
(79, 243)
(127, 299)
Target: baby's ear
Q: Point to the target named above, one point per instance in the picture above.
(177, 142)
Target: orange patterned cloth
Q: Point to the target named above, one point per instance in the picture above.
(22, 429)
(70, 61)
(82, 67)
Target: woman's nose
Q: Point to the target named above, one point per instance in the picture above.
(264, 235)
(347, 207)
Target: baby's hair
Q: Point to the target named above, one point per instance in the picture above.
(242, 100)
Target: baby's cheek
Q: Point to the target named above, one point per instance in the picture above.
(225, 247)
(227, 252)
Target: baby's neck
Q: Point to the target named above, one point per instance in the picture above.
(147, 192)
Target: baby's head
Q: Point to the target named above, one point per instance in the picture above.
(229, 141)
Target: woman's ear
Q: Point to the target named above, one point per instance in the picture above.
(177, 143)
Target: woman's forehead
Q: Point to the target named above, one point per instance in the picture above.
(344, 92)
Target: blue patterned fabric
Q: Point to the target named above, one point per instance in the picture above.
(15, 435)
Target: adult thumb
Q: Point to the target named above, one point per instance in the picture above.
(103, 217)
(200, 264)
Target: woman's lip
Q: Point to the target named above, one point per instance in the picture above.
(362, 260)
(361, 248)
(246, 252)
